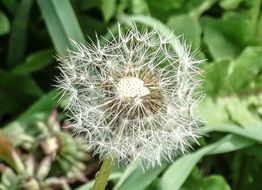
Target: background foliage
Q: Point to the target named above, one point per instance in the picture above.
(36, 151)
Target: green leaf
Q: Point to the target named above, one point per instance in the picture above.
(229, 4)
(108, 8)
(219, 46)
(139, 7)
(94, 24)
(176, 174)
(238, 76)
(214, 182)
(212, 112)
(197, 8)
(247, 173)
(4, 24)
(35, 62)
(186, 26)
(8, 104)
(197, 182)
(239, 113)
(164, 8)
(43, 105)
(61, 23)
(194, 180)
(253, 133)
(21, 88)
(215, 75)
(135, 178)
(230, 110)
(235, 142)
(256, 150)
(259, 29)
(245, 69)
(18, 37)
(226, 37)
(10, 5)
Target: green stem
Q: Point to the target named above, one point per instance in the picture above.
(103, 174)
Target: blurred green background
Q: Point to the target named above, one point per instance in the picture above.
(37, 151)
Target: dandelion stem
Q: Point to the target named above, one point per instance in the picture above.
(103, 174)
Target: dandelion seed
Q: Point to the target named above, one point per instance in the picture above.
(134, 96)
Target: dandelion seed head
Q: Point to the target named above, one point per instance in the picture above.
(134, 96)
(131, 87)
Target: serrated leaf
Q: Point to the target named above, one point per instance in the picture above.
(212, 112)
(239, 113)
(244, 69)
(215, 75)
(226, 37)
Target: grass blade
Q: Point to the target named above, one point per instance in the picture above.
(177, 173)
(254, 133)
(134, 178)
(61, 22)
(17, 41)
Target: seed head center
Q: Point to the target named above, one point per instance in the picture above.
(131, 87)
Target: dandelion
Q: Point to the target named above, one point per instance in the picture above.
(134, 96)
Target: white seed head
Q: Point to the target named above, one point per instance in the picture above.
(133, 97)
(131, 87)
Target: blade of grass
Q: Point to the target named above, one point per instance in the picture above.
(177, 173)
(234, 143)
(135, 178)
(254, 133)
(17, 41)
(61, 22)
(35, 62)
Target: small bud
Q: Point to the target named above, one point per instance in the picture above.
(44, 167)
(31, 184)
(19, 166)
(50, 145)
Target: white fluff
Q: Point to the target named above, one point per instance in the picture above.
(105, 95)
